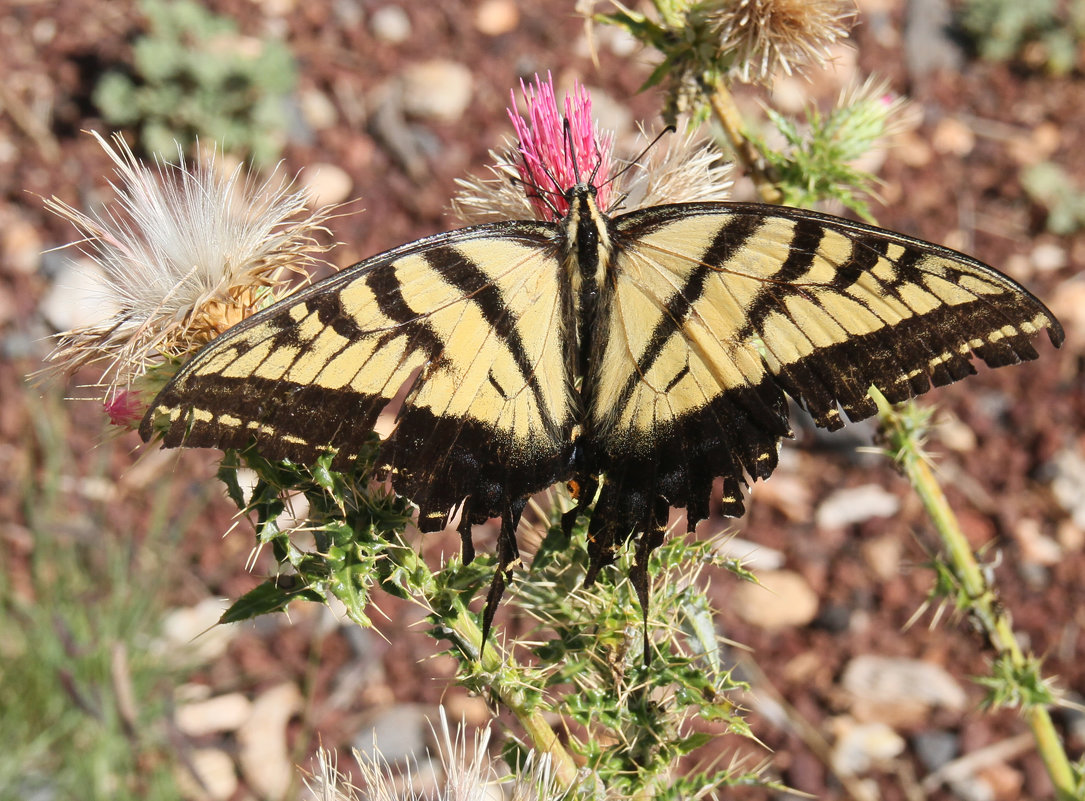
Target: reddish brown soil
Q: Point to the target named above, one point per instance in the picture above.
(1021, 416)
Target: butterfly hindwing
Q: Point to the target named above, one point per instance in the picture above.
(716, 310)
(469, 324)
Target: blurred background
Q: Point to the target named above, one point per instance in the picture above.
(115, 561)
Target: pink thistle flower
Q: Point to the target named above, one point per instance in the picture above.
(125, 409)
(558, 151)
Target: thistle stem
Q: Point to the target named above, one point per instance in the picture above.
(723, 106)
(907, 450)
(459, 625)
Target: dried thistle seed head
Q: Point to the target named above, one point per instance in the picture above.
(187, 252)
(762, 37)
(494, 197)
(678, 169)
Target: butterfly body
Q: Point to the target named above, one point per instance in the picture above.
(645, 355)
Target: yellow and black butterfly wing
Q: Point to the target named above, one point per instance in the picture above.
(469, 323)
(715, 311)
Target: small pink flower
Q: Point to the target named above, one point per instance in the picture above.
(125, 409)
(554, 160)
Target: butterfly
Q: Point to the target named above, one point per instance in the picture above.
(639, 358)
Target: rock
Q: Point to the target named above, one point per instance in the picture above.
(398, 732)
(326, 183)
(860, 746)
(78, 297)
(899, 691)
(1036, 547)
(471, 709)
(1048, 257)
(317, 110)
(215, 776)
(390, 24)
(853, 505)
(1005, 781)
(1068, 304)
(972, 788)
(1067, 471)
(751, 554)
(928, 44)
(495, 17)
(952, 137)
(20, 246)
(263, 753)
(882, 555)
(7, 306)
(954, 434)
(783, 598)
(437, 89)
(935, 748)
(194, 633)
(221, 713)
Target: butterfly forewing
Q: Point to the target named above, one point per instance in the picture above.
(471, 322)
(715, 310)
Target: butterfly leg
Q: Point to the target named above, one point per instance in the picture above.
(508, 554)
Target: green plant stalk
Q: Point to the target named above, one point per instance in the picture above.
(996, 623)
(724, 108)
(461, 628)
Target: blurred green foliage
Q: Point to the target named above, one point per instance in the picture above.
(1050, 187)
(1041, 33)
(83, 695)
(195, 76)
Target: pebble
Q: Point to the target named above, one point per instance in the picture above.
(390, 24)
(437, 89)
(317, 110)
(7, 307)
(1067, 471)
(1036, 547)
(263, 752)
(20, 246)
(898, 690)
(853, 505)
(471, 709)
(78, 297)
(221, 713)
(972, 788)
(952, 137)
(861, 746)
(326, 184)
(397, 732)
(194, 633)
(882, 555)
(783, 598)
(1049, 256)
(928, 44)
(752, 555)
(1068, 304)
(215, 776)
(954, 434)
(495, 17)
(936, 748)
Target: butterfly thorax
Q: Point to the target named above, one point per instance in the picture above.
(586, 252)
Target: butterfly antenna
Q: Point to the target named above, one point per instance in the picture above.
(532, 190)
(636, 162)
(570, 149)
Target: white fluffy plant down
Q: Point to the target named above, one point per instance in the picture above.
(187, 251)
(468, 773)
